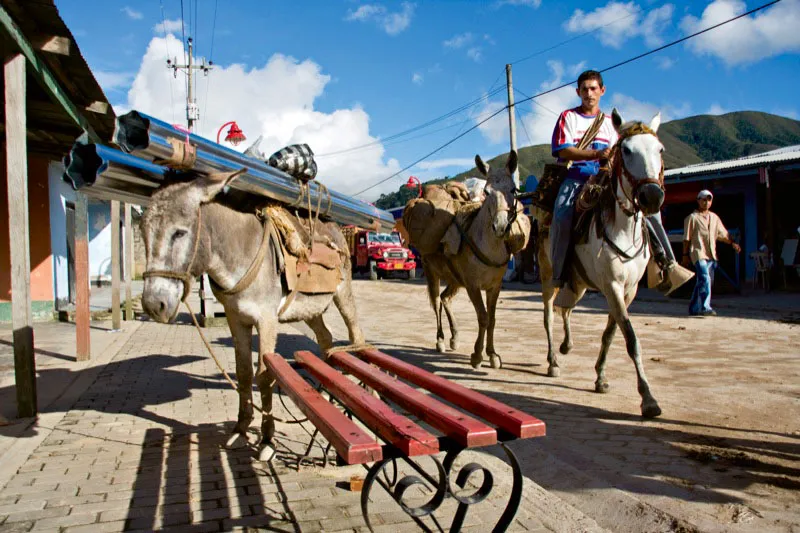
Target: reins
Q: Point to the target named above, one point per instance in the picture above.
(619, 170)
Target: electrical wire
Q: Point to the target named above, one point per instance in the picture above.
(211, 55)
(537, 103)
(524, 128)
(166, 46)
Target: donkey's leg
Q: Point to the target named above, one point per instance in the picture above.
(601, 385)
(265, 379)
(242, 343)
(483, 320)
(491, 308)
(619, 311)
(447, 296)
(321, 332)
(432, 280)
(345, 303)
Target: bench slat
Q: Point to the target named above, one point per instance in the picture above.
(516, 422)
(462, 428)
(392, 427)
(352, 443)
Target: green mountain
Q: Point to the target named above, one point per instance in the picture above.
(686, 141)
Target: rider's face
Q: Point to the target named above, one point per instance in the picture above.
(590, 92)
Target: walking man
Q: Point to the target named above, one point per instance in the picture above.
(701, 231)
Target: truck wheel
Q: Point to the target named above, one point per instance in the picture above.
(373, 270)
(412, 274)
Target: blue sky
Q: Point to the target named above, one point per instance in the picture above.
(342, 74)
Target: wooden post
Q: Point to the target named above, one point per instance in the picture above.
(82, 317)
(19, 236)
(115, 270)
(129, 268)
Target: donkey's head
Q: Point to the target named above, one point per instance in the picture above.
(171, 228)
(640, 153)
(500, 192)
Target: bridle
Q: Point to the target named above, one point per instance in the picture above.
(513, 210)
(185, 277)
(619, 170)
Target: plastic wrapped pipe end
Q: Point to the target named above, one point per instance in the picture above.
(132, 132)
(82, 165)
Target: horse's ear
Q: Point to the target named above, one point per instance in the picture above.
(655, 122)
(211, 185)
(511, 164)
(616, 119)
(483, 168)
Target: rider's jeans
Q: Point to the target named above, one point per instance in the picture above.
(701, 297)
(561, 227)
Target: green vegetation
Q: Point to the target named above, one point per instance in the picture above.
(686, 141)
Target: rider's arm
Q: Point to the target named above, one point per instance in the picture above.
(573, 153)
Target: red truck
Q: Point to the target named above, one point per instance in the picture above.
(379, 253)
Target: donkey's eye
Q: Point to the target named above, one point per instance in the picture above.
(179, 233)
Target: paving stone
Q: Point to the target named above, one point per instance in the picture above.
(16, 527)
(66, 521)
(36, 515)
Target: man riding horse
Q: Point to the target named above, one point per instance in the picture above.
(583, 160)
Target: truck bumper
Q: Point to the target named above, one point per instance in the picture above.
(396, 267)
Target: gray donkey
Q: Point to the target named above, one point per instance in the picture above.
(188, 233)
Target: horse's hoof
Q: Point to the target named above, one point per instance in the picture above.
(454, 344)
(237, 441)
(440, 346)
(475, 360)
(553, 372)
(266, 454)
(651, 411)
(565, 348)
(602, 387)
(496, 362)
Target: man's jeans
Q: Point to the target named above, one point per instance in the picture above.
(561, 227)
(701, 297)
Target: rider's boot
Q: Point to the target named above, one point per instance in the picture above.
(672, 275)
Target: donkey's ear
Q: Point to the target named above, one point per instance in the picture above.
(616, 119)
(511, 164)
(212, 184)
(483, 168)
(655, 122)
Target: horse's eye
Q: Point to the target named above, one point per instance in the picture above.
(661, 151)
(179, 233)
(626, 150)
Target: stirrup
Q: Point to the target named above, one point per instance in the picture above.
(675, 276)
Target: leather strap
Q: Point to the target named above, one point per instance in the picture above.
(255, 266)
(475, 250)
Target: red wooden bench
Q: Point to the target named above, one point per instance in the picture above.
(480, 421)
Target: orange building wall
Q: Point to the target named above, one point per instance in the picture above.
(39, 222)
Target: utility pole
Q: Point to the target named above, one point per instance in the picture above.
(192, 115)
(512, 124)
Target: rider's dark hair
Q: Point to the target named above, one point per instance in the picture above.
(590, 75)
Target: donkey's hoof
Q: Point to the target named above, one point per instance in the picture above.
(475, 360)
(237, 441)
(651, 410)
(266, 454)
(496, 361)
(440, 346)
(602, 387)
(454, 344)
(553, 372)
(565, 347)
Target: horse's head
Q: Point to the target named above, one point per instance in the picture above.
(639, 157)
(171, 229)
(499, 193)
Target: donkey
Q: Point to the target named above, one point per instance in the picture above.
(188, 232)
(614, 262)
(479, 262)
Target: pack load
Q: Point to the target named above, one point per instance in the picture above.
(427, 219)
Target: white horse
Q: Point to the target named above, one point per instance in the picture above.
(615, 256)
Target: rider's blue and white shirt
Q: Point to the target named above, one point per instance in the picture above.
(569, 130)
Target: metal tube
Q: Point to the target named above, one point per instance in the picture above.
(149, 138)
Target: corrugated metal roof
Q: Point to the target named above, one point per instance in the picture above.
(781, 155)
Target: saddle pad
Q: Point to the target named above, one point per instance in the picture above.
(319, 274)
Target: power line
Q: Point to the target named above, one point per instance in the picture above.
(166, 46)
(537, 103)
(617, 65)
(211, 55)
(524, 128)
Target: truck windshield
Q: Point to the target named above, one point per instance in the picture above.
(393, 238)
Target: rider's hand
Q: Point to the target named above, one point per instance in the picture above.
(736, 247)
(602, 154)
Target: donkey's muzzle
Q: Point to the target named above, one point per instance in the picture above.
(160, 301)
(650, 197)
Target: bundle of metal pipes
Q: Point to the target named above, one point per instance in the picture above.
(149, 146)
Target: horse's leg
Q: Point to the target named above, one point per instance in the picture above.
(432, 280)
(491, 308)
(619, 311)
(345, 303)
(483, 319)
(447, 296)
(601, 385)
(321, 332)
(566, 344)
(265, 379)
(242, 343)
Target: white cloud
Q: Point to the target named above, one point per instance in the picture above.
(785, 112)
(132, 13)
(475, 54)
(112, 81)
(617, 22)
(632, 109)
(458, 41)
(417, 78)
(275, 100)
(665, 63)
(445, 163)
(544, 110)
(168, 26)
(391, 23)
(716, 109)
(529, 3)
(494, 130)
(764, 34)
